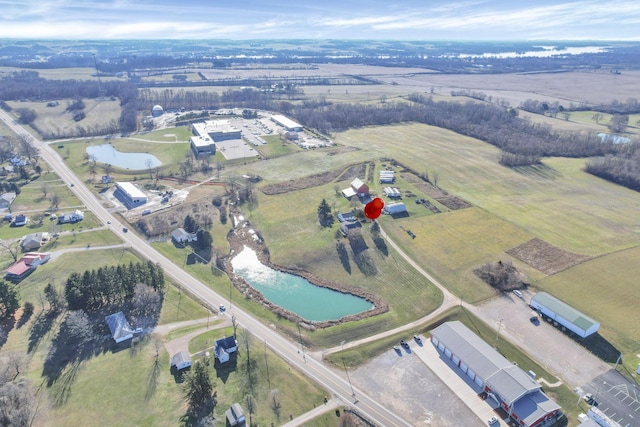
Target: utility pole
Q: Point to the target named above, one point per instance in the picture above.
(353, 393)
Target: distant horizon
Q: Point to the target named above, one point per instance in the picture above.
(461, 41)
(409, 20)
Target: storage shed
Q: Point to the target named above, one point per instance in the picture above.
(558, 311)
(181, 360)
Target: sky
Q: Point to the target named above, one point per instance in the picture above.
(322, 19)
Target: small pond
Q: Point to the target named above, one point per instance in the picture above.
(105, 153)
(295, 293)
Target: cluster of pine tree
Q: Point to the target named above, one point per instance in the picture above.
(110, 284)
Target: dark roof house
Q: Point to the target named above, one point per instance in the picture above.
(224, 347)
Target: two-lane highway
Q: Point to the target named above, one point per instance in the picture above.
(278, 343)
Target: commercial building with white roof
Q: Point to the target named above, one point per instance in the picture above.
(286, 123)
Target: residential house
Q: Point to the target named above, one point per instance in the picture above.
(224, 347)
(26, 265)
(71, 217)
(19, 220)
(33, 241)
(179, 235)
(119, 326)
(6, 199)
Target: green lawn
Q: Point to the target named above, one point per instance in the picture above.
(275, 148)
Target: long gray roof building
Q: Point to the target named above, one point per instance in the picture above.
(518, 393)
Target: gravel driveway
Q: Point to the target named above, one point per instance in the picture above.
(543, 342)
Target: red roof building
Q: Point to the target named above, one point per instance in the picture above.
(26, 265)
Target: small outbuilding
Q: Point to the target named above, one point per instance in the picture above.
(181, 360)
(235, 416)
(395, 209)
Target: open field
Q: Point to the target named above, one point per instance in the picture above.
(556, 202)
(604, 289)
(61, 73)
(55, 121)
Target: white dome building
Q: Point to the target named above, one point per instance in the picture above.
(157, 111)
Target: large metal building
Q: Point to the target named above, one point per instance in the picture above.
(565, 315)
(517, 392)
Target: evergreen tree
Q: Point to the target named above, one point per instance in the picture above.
(324, 214)
(198, 387)
(9, 299)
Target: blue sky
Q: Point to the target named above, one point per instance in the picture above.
(322, 19)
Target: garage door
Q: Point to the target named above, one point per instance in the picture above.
(447, 352)
(463, 367)
(440, 346)
(471, 374)
(479, 381)
(455, 359)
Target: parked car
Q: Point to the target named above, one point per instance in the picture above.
(417, 339)
(404, 344)
(492, 421)
(517, 293)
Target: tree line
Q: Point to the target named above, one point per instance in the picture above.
(623, 168)
(108, 285)
(525, 141)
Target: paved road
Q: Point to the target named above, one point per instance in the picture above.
(278, 343)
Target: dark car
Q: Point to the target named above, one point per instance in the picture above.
(417, 339)
(404, 344)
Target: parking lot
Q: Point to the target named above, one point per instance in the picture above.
(406, 386)
(616, 396)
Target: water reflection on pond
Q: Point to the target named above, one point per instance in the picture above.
(295, 293)
(106, 153)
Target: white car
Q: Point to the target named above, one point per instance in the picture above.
(492, 421)
(517, 293)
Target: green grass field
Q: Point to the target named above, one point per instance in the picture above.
(274, 147)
